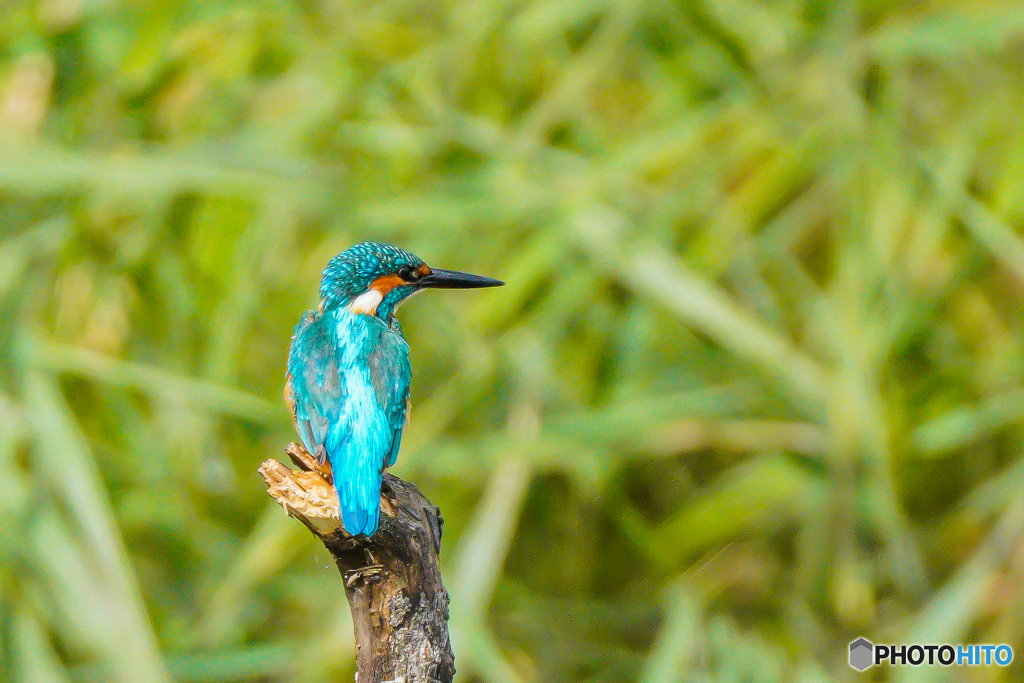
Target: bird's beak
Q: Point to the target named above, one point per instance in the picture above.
(453, 279)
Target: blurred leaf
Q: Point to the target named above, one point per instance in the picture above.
(948, 616)
(64, 458)
(255, 662)
(477, 565)
(169, 385)
(739, 503)
(34, 656)
(963, 426)
(669, 659)
(272, 543)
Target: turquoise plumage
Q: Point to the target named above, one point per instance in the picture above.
(349, 374)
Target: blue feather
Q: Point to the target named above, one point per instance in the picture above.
(349, 378)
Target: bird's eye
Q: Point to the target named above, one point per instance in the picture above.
(408, 273)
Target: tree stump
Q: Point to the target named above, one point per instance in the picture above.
(392, 579)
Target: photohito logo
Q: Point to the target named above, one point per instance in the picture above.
(865, 654)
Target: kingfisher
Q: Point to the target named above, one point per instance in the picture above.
(348, 374)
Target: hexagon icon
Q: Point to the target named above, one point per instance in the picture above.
(862, 654)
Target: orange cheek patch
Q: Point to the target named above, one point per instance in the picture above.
(385, 284)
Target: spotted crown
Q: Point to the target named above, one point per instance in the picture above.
(350, 273)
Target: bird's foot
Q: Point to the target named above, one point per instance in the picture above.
(308, 463)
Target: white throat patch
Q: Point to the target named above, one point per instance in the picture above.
(367, 302)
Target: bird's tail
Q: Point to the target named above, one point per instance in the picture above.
(360, 509)
(358, 475)
(358, 521)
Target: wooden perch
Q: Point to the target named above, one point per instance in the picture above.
(392, 580)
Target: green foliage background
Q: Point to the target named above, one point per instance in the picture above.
(754, 387)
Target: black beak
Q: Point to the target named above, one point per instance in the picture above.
(453, 279)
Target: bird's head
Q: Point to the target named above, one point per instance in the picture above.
(374, 278)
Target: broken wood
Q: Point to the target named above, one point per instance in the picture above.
(392, 579)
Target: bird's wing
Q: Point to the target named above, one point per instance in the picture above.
(314, 388)
(391, 373)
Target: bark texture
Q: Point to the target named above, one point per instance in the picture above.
(392, 580)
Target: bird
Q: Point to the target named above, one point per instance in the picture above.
(348, 371)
